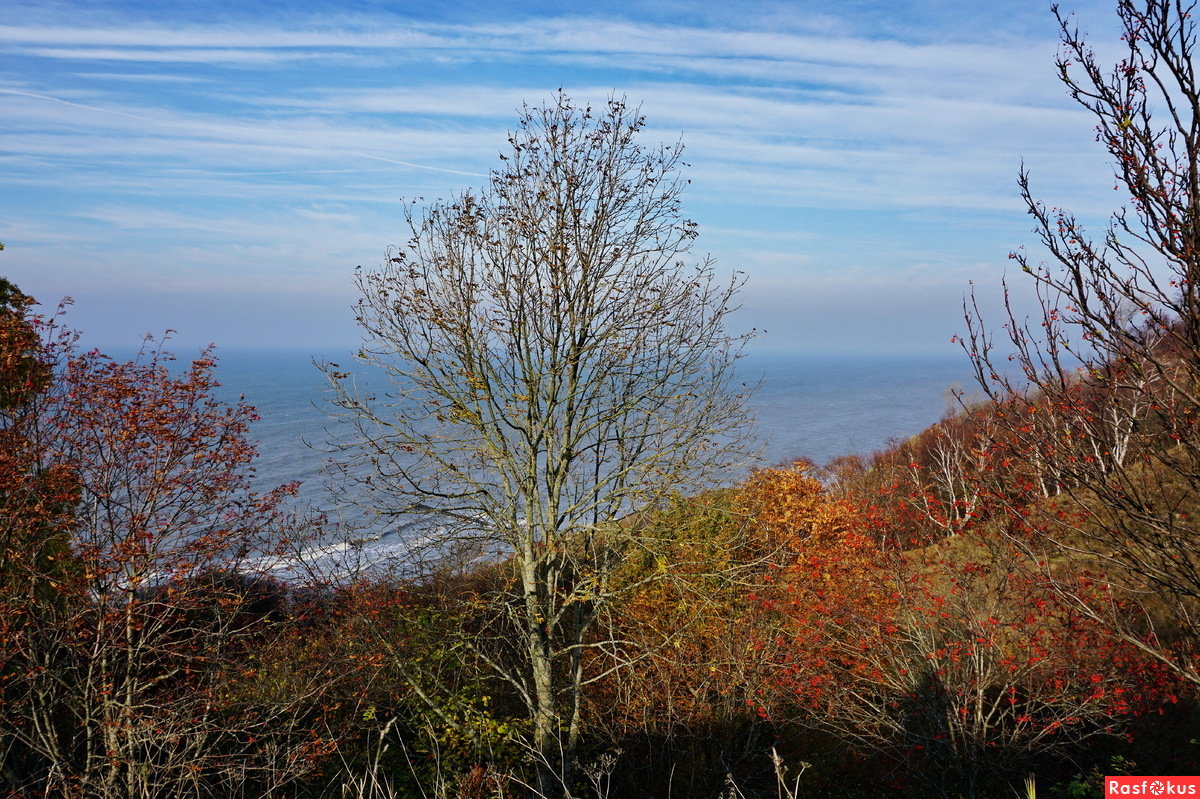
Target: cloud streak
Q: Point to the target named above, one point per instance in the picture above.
(240, 148)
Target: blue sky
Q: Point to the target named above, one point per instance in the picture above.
(219, 168)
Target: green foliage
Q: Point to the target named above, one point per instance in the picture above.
(1091, 784)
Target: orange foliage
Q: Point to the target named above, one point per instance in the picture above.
(703, 637)
(134, 572)
(36, 494)
(789, 507)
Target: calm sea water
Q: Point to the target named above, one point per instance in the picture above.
(815, 406)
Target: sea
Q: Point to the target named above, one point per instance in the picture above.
(809, 405)
(815, 406)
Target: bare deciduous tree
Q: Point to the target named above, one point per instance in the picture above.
(1107, 401)
(555, 363)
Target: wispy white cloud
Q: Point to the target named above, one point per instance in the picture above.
(52, 99)
(251, 37)
(223, 55)
(142, 77)
(620, 44)
(239, 153)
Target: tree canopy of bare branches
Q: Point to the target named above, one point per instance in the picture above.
(1106, 407)
(556, 360)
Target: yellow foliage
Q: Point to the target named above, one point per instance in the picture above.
(787, 505)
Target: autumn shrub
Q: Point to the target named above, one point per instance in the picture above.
(133, 577)
(673, 702)
(410, 698)
(952, 667)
